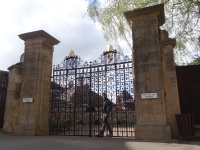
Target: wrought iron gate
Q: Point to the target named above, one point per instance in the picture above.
(77, 89)
(3, 92)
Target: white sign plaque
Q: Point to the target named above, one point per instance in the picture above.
(149, 95)
(27, 100)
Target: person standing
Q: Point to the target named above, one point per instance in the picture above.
(107, 107)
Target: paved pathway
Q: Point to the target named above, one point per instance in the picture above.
(13, 142)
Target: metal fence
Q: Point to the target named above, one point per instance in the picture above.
(188, 87)
(3, 92)
(76, 91)
(185, 123)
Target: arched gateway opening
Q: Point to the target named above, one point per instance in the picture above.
(76, 91)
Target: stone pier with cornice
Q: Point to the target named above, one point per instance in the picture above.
(155, 74)
(34, 103)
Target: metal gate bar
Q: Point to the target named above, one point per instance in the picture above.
(3, 93)
(77, 88)
(188, 88)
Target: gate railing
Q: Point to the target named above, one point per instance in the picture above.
(3, 92)
(186, 126)
(77, 89)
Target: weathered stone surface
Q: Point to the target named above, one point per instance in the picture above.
(147, 65)
(170, 82)
(13, 97)
(34, 117)
(154, 72)
(138, 14)
(146, 132)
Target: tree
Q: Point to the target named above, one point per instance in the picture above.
(195, 62)
(182, 22)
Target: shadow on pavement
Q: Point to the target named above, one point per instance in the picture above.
(15, 142)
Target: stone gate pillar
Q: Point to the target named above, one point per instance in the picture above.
(150, 83)
(36, 79)
(170, 81)
(13, 97)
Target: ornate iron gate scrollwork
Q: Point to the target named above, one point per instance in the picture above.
(76, 91)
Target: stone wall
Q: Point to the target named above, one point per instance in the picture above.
(13, 97)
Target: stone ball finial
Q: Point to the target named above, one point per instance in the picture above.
(22, 58)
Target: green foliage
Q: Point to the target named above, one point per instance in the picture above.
(195, 62)
(182, 22)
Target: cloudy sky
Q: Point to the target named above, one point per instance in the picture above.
(63, 19)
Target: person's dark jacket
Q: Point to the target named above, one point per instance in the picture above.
(107, 106)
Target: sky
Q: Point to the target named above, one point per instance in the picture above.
(66, 20)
